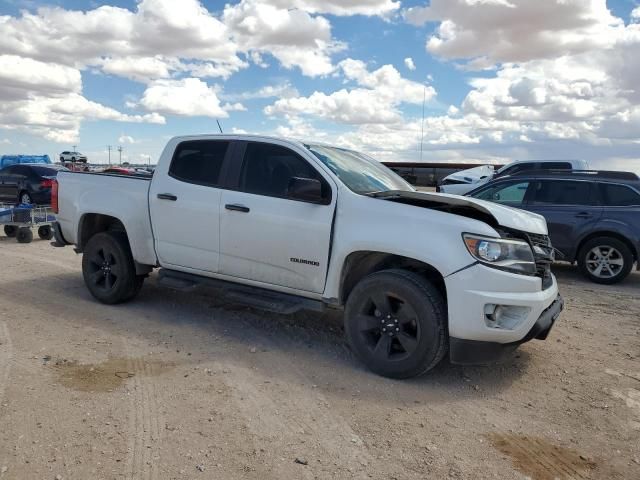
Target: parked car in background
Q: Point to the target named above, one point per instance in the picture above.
(73, 157)
(464, 181)
(593, 216)
(28, 183)
(284, 226)
(7, 160)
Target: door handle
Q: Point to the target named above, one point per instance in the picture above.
(583, 215)
(237, 208)
(167, 196)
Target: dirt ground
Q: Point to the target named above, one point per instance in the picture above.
(185, 386)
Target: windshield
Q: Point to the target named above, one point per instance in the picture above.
(361, 173)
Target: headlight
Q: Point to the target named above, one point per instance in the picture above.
(512, 255)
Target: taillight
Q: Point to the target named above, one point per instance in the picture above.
(46, 183)
(54, 195)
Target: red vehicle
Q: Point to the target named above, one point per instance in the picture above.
(119, 170)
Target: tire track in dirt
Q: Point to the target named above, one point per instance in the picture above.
(144, 422)
(6, 355)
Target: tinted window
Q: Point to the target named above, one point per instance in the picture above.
(267, 170)
(199, 161)
(559, 192)
(555, 166)
(619, 195)
(505, 193)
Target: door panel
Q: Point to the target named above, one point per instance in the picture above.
(267, 237)
(570, 208)
(186, 215)
(277, 241)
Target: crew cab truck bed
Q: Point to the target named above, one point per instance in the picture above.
(284, 225)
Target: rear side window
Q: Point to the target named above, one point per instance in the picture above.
(46, 171)
(199, 161)
(267, 170)
(619, 195)
(559, 192)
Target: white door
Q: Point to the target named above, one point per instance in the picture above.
(267, 237)
(185, 206)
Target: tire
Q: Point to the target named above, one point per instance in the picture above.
(24, 235)
(25, 198)
(73, 159)
(108, 268)
(605, 260)
(61, 159)
(396, 324)
(45, 232)
(10, 231)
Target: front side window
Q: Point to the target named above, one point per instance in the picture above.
(512, 194)
(563, 192)
(199, 161)
(619, 195)
(267, 170)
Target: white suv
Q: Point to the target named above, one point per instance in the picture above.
(73, 157)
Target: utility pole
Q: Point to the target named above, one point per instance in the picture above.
(109, 149)
(424, 98)
(120, 152)
(75, 148)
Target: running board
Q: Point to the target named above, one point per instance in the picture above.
(255, 297)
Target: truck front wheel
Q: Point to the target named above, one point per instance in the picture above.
(395, 323)
(108, 268)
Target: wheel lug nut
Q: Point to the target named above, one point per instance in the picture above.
(384, 329)
(397, 329)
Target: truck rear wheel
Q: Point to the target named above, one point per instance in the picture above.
(605, 260)
(108, 268)
(395, 323)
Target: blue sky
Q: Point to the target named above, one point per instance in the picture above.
(503, 79)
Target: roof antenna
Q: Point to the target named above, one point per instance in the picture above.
(218, 122)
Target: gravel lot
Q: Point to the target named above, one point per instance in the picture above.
(187, 386)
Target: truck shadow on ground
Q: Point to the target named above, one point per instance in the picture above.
(204, 323)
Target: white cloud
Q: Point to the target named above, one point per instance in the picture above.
(141, 69)
(486, 32)
(635, 13)
(19, 76)
(341, 7)
(408, 62)
(375, 100)
(126, 139)
(5, 141)
(293, 36)
(283, 90)
(186, 97)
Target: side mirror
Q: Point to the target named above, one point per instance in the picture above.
(305, 190)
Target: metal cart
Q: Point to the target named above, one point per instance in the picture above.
(19, 221)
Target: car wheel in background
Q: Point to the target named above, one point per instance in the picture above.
(61, 159)
(25, 198)
(605, 260)
(45, 232)
(10, 231)
(395, 323)
(108, 268)
(24, 235)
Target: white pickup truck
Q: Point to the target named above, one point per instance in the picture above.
(284, 226)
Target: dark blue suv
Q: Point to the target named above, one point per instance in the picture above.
(593, 217)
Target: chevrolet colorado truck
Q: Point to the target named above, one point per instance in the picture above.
(284, 225)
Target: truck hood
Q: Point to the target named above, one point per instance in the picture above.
(472, 175)
(489, 212)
